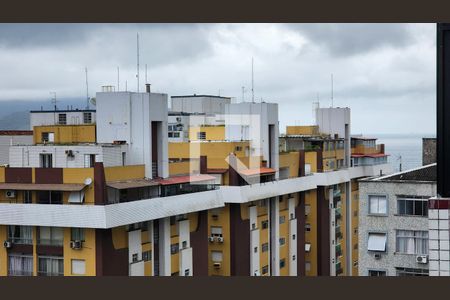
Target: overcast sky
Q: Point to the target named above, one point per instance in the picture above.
(384, 72)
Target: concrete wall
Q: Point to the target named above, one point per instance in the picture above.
(428, 151)
(39, 118)
(200, 104)
(128, 116)
(7, 140)
(389, 224)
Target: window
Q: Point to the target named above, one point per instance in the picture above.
(89, 160)
(282, 241)
(46, 160)
(78, 267)
(216, 256)
(377, 205)
(411, 272)
(124, 158)
(174, 248)
(201, 135)
(50, 197)
(265, 247)
(264, 224)
(48, 137)
(355, 263)
(238, 148)
(255, 249)
(307, 209)
(265, 269)
(184, 245)
(176, 134)
(77, 234)
(50, 266)
(293, 236)
(376, 242)
(134, 257)
(412, 207)
(187, 272)
(62, 119)
(20, 234)
(20, 265)
(87, 118)
(52, 236)
(307, 227)
(147, 255)
(377, 273)
(412, 242)
(282, 219)
(27, 197)
(282, 263)
(216, 231)
(307, 266)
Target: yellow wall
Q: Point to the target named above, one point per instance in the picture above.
(87, 253)
(297, 130)
(184, 167)
(3, 252)
(311, 158)
(124, 172)
(78, 175)
(291, 161)
(66, 134)
(213, 133)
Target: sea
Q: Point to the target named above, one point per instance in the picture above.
(404, 149)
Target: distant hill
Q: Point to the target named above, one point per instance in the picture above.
(14, 115)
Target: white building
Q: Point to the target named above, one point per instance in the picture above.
(139, 120)
(206, 104)
(10, 138)
(62, 117)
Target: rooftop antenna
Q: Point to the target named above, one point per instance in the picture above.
(53, 99)
(146, 74)
(253, 91)
(118, 79)
(332, 90)
(400, 165)
(243, 91)
(87, 88)
(137, 48)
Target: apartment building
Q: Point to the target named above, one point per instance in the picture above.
(114, 197)
(9, 138)
(393, 223)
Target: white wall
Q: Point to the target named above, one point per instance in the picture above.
(127, 116)
(38, 118)
(200, 104)
(6, 141)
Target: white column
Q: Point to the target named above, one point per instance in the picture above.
(136, 264)
(185, 260)
(164, 247)
(348, 226)
(275, 235)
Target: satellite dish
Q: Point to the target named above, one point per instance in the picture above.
(88, 181)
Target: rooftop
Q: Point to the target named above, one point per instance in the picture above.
(426, 173)
(198, 96)
(62, 110)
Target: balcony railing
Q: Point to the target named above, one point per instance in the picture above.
(50, 242)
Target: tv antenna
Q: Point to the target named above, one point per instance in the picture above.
(146, 74)
(53, 99)
(253, 91)
(399, 157)
(137, 49)
(87, 88)
(243, 92)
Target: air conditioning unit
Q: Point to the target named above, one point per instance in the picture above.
(178, 119)
(7, 244)
(69, 153)
(211, 239)
(220, 239)
(76, 244)
(10, 194)
(256, 273)
(217, 265)
(422, 259)
(377, 255)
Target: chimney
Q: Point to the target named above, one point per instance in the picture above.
(147, 88)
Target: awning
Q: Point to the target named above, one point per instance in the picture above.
(185, 179)
(257, 171)
(76, 197)
(65, 187)
(216, 171)
(132, 183)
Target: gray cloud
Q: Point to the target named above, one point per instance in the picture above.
(344, 40)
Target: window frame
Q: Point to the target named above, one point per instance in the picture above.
(378, 214)
(377, 232)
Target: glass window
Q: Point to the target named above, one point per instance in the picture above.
(46, 160)
(27, 196)
(265, 269)
(412, 206)
(282, 241)
(265, 247)
(20, 234)
(411, 272)
(377, 273)
(87, 118)
(52, 236)
(282, 219)
(201, 135)
(62, 119)
(147, 255)
(377, 205)
(412, 242)
(216, 256)
(264, 224)
(50, 266)
(78, 267)
(282, 263)
(376, 242)
(77, 234)
(20, 265)
(174, 248)
(89, 160)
